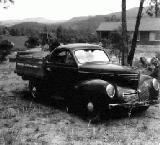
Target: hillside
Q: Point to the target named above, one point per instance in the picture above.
(87, 23)
(29, 25)
(38, 20)
(91, 23)
(131, 13)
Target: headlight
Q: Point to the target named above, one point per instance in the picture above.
(155, 84)
(110, 90)
(90, 106)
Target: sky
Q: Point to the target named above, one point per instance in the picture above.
(61, 9)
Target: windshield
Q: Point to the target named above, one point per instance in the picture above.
(91, 55)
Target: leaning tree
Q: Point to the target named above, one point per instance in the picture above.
(153, 10)
(135, 34)
(128, 58)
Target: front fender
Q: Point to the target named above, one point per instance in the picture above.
(94, 86)
(144, 78)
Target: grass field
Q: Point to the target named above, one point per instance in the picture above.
(147, 51)
(25, 122)
(17, 40)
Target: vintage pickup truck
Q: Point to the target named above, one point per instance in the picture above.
(84, 76)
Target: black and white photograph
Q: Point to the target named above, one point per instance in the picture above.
(79, 72)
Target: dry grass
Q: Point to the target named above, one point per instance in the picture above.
(24, 122)
(147, 51)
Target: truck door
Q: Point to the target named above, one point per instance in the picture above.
(63, 70)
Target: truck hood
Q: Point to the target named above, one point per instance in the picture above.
(114, 73)
(106, 68)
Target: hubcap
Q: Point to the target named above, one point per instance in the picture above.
(34, 91)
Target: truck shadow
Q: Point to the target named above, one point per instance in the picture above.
(116, 113)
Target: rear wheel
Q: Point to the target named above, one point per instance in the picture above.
(35, 90)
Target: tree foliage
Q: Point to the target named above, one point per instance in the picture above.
(5, 45)
(50, 39)
(33, 41)
(112, 18)
(69, 35)
(6, 1)
(154, 8)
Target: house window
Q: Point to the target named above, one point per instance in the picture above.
(158, 36)
(154, 36)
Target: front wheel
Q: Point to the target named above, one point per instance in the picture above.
(89, 107)
(96, 111)
(141, 109)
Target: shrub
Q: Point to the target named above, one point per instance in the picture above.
(32, 42)
(5, 49)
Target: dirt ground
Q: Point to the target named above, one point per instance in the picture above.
(25, 122)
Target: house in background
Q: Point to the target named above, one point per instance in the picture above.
(149, 30)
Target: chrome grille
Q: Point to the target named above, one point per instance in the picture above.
(130, 97)
(144, 93)
(127, 94)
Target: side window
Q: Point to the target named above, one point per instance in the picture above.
(63, 57)
(69, 59)
(59, 57)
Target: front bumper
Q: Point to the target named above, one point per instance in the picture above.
(135, 104)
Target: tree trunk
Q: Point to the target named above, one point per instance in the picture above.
(135, 35)
(124, 34)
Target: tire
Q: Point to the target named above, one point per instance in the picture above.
(34, 88)
(99, 113)
(88, 107)
(91, 114)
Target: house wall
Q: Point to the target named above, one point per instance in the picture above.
(103, 35)
(146, 40)
(144, 37)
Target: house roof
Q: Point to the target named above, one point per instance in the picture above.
(147, 24)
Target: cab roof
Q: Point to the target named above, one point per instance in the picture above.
(76, 46)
